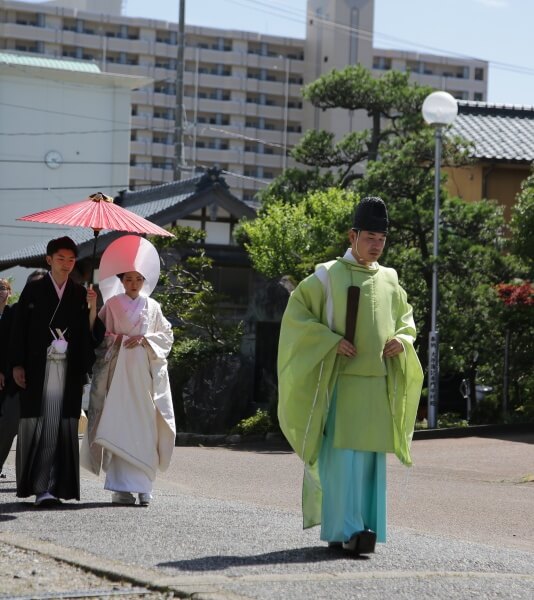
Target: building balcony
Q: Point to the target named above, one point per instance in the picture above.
(276, 113)
(116, 44)
(275, 137)
(268, 161)
(164, 50)
(262, 86)
(125, 69)
(141, 122)
(207, 55)
(140, 148)
(211, 155)
(28, 32)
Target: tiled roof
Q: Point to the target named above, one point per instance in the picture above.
(185, 187)
(498, 132)
(31, 60)
(79, 236)
(159, 198)
(149, 203)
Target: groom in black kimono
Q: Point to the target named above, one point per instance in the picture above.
(51, 354)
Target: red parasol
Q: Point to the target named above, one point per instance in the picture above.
(98, 212)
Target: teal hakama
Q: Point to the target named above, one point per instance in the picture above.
(354, 488)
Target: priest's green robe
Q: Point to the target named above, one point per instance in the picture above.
(369, 415)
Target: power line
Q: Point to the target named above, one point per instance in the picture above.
(65, 162)
(28, 226)
(240, 176)
(63, 113)
(291, 14)
(92, 186)
(239, 135)
(35, 133)
(25, 235)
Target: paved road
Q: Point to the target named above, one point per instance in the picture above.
(226, 523)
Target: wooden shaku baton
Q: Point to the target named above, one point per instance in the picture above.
(353, 299)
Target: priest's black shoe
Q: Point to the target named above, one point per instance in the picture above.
(337, 545)
(362, 542)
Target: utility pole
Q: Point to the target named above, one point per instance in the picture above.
(178, 115)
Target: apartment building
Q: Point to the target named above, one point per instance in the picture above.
(243, 109)
(464, 79)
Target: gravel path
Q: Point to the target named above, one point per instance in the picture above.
(226, 524)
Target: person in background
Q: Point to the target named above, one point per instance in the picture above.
(349, 384)
(51, 350)
(9, 396)
(5, 293)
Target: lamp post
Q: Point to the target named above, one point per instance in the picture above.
(439, 110)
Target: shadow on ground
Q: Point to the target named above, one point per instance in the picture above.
(297, 555)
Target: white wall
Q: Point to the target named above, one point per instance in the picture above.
(48, 113)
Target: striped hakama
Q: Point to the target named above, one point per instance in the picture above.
(47, 457)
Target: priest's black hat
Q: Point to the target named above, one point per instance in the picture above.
(371, 215)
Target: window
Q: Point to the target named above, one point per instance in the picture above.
(166, 37)
(159, 138)
(382, 63)
(164, 88)
(163, 113)
(26, 47)
(161, 163)
(165, 64)
(26, 19)
(479, 73)
(478, 96)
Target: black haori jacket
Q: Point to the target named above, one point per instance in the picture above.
(31, 337)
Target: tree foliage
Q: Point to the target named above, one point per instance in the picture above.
(293, 184)
(285, 239)
(291, 239)
(522, 224)
(391, 101)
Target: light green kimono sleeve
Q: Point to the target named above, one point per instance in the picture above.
(307, 368)
(404, 382)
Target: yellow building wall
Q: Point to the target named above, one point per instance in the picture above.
(499, 182)
(465, 182)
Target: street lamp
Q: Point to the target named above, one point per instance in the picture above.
(439, 110)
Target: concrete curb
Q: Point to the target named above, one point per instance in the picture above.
(279, 441)
(474, 431)
(182, 587)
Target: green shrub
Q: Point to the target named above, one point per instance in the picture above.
(444, 420)
(258, 424)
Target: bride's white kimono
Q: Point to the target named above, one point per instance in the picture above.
(131, 429)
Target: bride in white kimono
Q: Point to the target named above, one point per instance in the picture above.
(131, 429)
